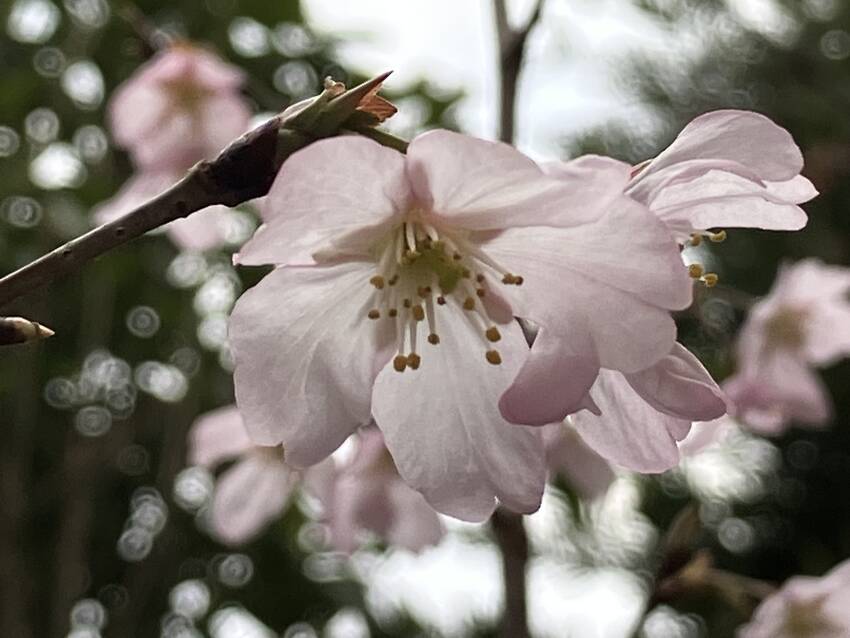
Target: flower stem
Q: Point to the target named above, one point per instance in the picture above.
(513, 543)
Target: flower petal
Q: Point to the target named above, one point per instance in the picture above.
(306, 357)
(747, 138)
(568, 455)
(415, 525)
(250, 495)
(341, 193)
(629, 431)
(610, 282)
(444, 431)
(552, 383)
(217, 436)
(482, 185)
(680, 386)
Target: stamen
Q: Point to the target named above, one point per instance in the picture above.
(493, 357)
(377, 281)
(718, 236)
(441, 300)
(433, 339)
(696, 239)
(400, 363)
(413, 361)
(393, 312)
(479, 278)
(469, 303)
(710, 279)
(410, 236)
(374, 314)
(407, 303)
(492, 333)
(480, 292)
(393, 280)
(418, 312)
(695, 271)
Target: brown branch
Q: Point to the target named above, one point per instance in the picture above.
(513, 543)
(243, 171)
(511, 44)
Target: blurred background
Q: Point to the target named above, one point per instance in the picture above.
(102, 528)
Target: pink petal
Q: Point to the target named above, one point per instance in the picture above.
(201, 231)
(223, 118)
(217, 436)
(415, 525)
(629, 431)
(307, 210)
(605, 173)
(443, 429)
(248, 496)
(747, 138)
(551, 384)
(306, 357)
(481, 185)
(680, 386)
(584, 470)
(610, 282)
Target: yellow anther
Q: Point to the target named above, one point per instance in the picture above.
(492, 333)
(696, 239)
(374, 314)
(457, 256)
(710, 279)
(433, 339)
(407, 303)
(413, 361)
(718, 236)
(510, 279)
(393, 280)
(423, 291)
(469, 303)
(479, 278)
(518, 281)
(393, 312)
(493, 357)
(400, 363)
(377, 281)
(695, 271)
(418, 312)
(480, 292)
(441, 300)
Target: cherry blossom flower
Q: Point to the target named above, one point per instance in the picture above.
(725, 169)
(804, 322)
(257, 488)
(178, 109)
(397, 282)
(368, 494)
(181, 107)
(805, 607)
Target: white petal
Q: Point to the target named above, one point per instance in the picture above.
(442, 425)
(306, 357)
(218, 435)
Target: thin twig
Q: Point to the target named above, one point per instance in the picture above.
(513, 543)
(511, 52)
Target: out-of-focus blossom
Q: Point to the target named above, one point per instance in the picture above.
(805, 607)
(203, 230)
(368, 494)
(568, 456)
(257, 488)
(380, 252)
(803, 322)
(725, 169)
(181, 107)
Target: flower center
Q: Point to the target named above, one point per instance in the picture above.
(421, 269)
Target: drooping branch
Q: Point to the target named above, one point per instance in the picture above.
(243, 171)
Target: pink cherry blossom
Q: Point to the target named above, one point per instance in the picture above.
(201, 231)
(804, 322)
(725, 169)
(256, 489)
(805, 606)
(181, 107)
(397, 282)
(368, 494)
